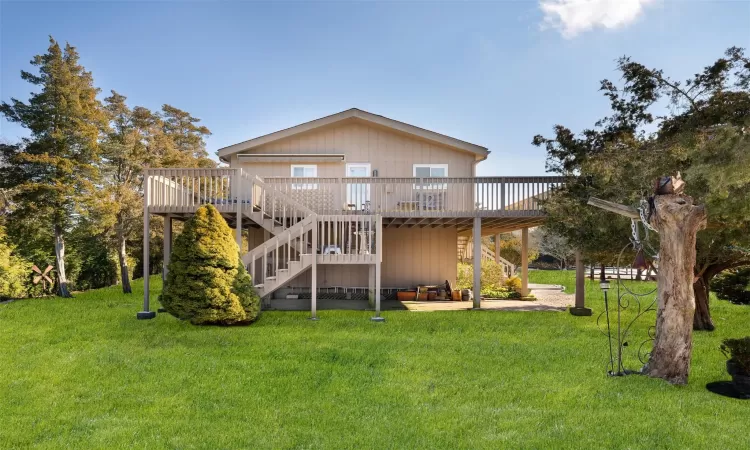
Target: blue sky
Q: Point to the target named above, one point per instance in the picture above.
(491, 73)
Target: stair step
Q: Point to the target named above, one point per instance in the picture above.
(270, 278)
(258, 286)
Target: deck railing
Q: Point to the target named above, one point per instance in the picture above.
(420, 196)
(177, 190)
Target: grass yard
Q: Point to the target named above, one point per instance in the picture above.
(84, 373)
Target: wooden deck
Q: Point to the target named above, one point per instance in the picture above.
(400, 201)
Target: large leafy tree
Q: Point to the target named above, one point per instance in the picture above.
(703, 134)
(55, 170)
(126, 150)
(136, 139)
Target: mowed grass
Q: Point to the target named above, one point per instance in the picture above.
(84, 373)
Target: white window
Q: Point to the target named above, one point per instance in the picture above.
(430, 170)
(304, 171)
(358, 194)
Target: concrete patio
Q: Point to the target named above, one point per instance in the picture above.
(548, 298)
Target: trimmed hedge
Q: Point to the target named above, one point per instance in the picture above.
(733, 285)
(207, 282)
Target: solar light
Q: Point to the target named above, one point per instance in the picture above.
(604, 285)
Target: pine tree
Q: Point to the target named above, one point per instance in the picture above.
(207, 282)
(57, 167)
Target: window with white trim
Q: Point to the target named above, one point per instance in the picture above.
(304, 171)
(430, 170)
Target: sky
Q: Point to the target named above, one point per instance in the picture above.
(493, 73)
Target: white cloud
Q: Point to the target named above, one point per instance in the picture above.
(572, 17)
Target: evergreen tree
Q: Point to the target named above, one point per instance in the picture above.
(704, 137)
(56, 169)
(182, 143)
(207, 282)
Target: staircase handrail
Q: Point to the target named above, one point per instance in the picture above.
(275, 241)
(256, 180)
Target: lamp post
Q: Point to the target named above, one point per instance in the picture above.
(604, 285)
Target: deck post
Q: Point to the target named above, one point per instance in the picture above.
(146, 313)
(314, 274)
(167, 246)
(238, 229)
(378, 262)
(477, 237)
(580, 307)
(524, 262)
(371, 286)
(497, 248)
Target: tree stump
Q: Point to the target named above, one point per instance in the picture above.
(677, 220)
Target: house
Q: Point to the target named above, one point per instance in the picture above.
(352, 202)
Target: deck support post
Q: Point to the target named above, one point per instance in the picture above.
(477, 253)
(378, 262)
(238, 229)
(524, 262)
(146, 313)
(580, 307)
(167, 246)
(314, 273)
(497, 248)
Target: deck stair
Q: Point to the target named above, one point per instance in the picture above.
(465, 252)
(302, 237)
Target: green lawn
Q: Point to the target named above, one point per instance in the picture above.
(84, 373)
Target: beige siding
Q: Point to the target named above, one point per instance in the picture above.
(391, 153)
(411, 256)
(414, 256)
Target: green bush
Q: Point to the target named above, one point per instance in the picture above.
(492, 276)
(733, 285)
(514, 284)
(499, 293)
(15, 272)
(207, 282)
(738, 350)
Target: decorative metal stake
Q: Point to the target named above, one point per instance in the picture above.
(626, 298)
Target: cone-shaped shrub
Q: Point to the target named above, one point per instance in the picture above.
(207, 282)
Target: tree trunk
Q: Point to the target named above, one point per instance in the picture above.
(639, 275)
(123, 258)
(677, 220)
(702, 317)
(591, 272)
(60, 260)
(602, 274)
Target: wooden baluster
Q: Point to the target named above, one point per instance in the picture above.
(264, 263)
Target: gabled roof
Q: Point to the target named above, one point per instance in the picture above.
(356, 114)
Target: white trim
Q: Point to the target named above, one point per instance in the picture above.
(369, 168)
(431, 166)
(292, 158)
(303, 167)
(358, 194)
